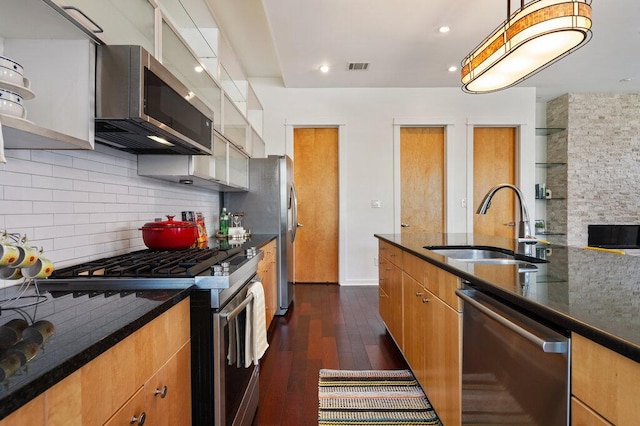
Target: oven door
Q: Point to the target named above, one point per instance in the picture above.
(236, 386)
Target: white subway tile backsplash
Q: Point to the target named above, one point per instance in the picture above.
(71, 174)
(52, 157)
(105, 198)
(53, 232)
(86, 164)
(70, 219)
(88, 186)
(72, 241)
(84, 205)
(51, 182)
(14, 207)
(88, 207)
(116, 189)
(70, 196)
(52, 207)
(21, 154)
(28, 220)
(28, 167)
(14, 179)
(20, 193)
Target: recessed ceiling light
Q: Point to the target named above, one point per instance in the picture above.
(199, 68)
(324, 68)
(453, 68)
(444, 29)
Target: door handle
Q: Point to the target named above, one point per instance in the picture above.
(299, 225)
(404, 225)
(512, 224)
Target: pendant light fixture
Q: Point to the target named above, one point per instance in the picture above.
(535, 36)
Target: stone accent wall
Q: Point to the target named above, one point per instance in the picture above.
(603, 159)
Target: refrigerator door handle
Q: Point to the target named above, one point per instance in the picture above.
(294, 207)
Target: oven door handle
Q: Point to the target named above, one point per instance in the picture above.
(228, 316)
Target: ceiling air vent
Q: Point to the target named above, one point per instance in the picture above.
(358, 66)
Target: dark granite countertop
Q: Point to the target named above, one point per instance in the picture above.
(593, 293)
(86, 324)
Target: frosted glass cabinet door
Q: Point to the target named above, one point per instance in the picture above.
(220, 147)
(238, 168)
(115, 21)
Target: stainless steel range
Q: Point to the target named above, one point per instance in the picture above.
(224, 391)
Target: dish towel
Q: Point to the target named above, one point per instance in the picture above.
(256, 330)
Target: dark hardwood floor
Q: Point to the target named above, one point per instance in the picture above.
(328, 327)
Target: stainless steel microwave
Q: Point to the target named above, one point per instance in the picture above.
(141, 107)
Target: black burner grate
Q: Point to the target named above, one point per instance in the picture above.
(148, 264)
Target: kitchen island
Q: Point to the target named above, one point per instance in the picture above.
(590, 292)
(591, 296)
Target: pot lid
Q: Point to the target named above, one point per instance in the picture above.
(169, 224)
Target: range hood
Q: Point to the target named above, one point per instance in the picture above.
(142, 108)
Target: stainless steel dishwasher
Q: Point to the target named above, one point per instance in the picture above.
(514, 370)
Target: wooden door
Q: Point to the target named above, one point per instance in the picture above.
(315, 175)
(422, 179)
(494, 159)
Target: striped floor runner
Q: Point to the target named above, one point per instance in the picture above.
(372, 397)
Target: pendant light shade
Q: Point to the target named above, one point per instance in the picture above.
(534, 37)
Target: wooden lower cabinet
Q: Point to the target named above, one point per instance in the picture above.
(268, 272)
(425, 319)
(581, 415)
(165, 399)
(126, 375)
(415, 325)
(32, 413)
(443, 359)
(604, 381)
(391, 305)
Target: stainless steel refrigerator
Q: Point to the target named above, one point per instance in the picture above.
(270, 207)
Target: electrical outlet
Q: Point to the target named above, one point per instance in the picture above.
(375, 261)
(463, 203)
(375, 204)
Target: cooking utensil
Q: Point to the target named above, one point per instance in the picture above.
(169, 234)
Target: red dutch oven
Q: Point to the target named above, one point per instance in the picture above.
(169, 234)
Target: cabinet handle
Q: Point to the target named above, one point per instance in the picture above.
(84, 15)
(418, 294)
(162, 392)
(425, 300)
(139, 420)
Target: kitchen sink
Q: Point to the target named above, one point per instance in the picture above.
(485, 255)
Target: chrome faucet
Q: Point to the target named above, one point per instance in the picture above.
(524, 229)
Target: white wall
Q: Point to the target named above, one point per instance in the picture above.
(84, 205)
(367, 118)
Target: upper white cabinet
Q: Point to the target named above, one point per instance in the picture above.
(235, 126)
(59, 63)
(114, 21)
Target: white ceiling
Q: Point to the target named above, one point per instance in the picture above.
(290, 39)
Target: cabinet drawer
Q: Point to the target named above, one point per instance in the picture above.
(443, 285)
(605, 381)
(581, 415)
(414, 266)
(269, 249)
(391, 253)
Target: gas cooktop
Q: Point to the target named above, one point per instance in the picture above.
(155, 269)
